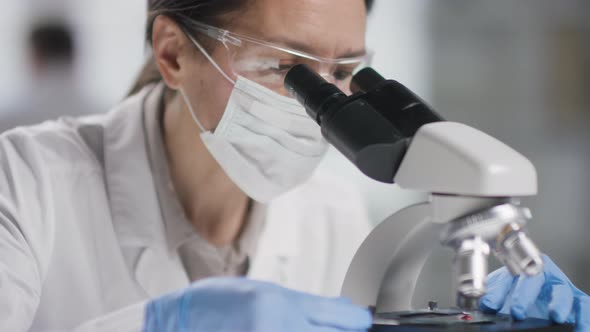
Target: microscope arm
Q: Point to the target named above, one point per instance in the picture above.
(365, 283)
(386, 267)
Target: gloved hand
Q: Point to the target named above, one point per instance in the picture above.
(242, 305)
(548, 295)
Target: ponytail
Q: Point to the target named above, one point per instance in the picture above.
(149, 74)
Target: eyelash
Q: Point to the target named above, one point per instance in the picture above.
(283, 66)
(346, 73)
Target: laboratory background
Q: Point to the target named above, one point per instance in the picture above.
(516, 69)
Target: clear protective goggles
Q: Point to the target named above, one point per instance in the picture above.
(267, 63)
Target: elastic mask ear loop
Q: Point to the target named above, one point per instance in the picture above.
(191, 109)
(185, 96)
(206, 54)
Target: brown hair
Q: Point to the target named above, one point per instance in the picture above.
(183, 12)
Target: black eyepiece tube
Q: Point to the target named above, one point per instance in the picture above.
(311, 90)
(350, 124)
(365, 80)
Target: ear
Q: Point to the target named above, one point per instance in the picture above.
(170, 47)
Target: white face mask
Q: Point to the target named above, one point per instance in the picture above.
(265, 142)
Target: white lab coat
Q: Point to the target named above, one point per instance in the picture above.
(81, 234)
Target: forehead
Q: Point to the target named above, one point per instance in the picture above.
(328, 28)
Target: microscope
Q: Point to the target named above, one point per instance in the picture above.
(474, 181)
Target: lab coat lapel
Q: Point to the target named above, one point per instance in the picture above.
(134, 205)
(294, 245)
(278, 246)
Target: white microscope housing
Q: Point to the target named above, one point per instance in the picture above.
(474, 181)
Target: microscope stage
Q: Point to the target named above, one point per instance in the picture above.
(454, 320)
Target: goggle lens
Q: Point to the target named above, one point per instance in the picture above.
(268, 66)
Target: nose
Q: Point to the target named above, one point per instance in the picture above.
(344, 86)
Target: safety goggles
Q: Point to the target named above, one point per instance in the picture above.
(267, 63)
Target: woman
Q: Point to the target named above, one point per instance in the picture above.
(203, 172)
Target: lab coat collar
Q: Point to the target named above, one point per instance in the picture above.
(134, 205)
(135, 208)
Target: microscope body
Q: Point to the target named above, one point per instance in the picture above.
(474, 181)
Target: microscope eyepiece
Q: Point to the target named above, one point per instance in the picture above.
(373, 127)
(365, 80)
(311, 90)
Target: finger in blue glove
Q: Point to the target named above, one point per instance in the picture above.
(499, 284)
(549, 295)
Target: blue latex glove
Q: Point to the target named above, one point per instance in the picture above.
(242, 305)
(548, 295)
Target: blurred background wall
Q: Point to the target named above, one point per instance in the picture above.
(517, 69)
(108, 33)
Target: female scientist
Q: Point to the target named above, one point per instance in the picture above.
(118, 222)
